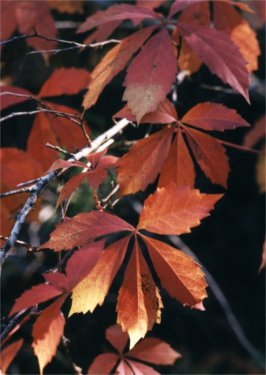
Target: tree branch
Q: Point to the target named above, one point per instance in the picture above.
(43, 181)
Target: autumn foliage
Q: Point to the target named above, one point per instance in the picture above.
(160, 170)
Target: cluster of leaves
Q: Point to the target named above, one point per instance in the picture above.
(213, 33)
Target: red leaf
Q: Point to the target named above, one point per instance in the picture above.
(220, 54)
(55, 130)
(124, 368)
(228, 19)
(58, 280)
(139, 303)
(70, 187)
(138, 368)
(210, 155)
(141, 165)
(82, 262)
(213, 116)
(102, 33)
(92, 290)
(179, 5)
(37, 294)
(150, 4)
(164, 114)
(113, 63)
(103, 364)
(65, 81)
(175, 209)
(119, 12)
(25, 16)
(8, 354)
(47, 332)
(117, 337)
(150, 75)
(178, 166)
(179, 274)
(64, 164)
(83, 228)
(154, 351)
(7, 100)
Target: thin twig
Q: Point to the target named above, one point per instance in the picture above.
(69, 116)
(59, 149)
(21, 243)
(43, 181)
(16, 191)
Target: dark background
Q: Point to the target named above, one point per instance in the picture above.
(228, 243)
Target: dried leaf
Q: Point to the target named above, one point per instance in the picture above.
(220, 54)
(47, 332)
(150, 75)
(92, 290)
(83, 228)
(139, 167)
(138, 304)
(210, 156)
(175, 209)
(179, 274)
(8, 354)
(113, 63)
(213, 116)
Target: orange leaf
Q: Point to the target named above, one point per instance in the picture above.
(197, 14)
(263, 258)
(150, 4)
(226, 18)
(70, 187)
(47, 332)
(8, 354)
(175, 209)
(256, 134)
(178, 166)
(113, 62)
(139, 303)
(210, 155)
(150, 75)
(67, 6)
(213, 116)
(83, 228)
(179, 274)
(139, 167)
(103, 364)
(65, 81)
(154, 351)
(92, 290)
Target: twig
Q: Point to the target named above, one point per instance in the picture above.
(16, 191)
(59, 149)
(230, 316)
(21, 243)
(43, 181)
(51, 39)
(69, 116)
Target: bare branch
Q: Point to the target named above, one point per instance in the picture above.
(69, 116)
(16, 191)
(43, 181)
